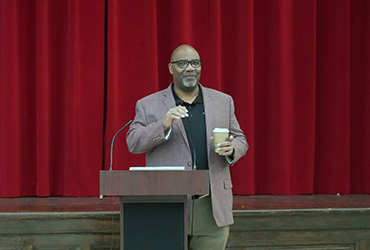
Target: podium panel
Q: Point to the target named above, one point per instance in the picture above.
(153, 226)
(154, 205)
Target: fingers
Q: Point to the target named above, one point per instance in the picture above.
(225, 148)
(179, 112)
(174, 115)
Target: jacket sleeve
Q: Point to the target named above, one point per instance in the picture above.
(240, 142)
(142, 135)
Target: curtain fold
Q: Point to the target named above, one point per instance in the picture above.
(72, 71)
(51, 97)
(284, 69)
(359, 96)
(332, 152)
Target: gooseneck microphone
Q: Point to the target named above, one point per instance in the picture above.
(111, 146)
(194, 167)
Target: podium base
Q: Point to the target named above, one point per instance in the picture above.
(154, 224)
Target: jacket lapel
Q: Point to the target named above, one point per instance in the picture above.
(169, 102)
(209, 104)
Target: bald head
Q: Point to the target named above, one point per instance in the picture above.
(185, 78)
(182, 51)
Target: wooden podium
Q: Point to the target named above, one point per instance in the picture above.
(154, 205)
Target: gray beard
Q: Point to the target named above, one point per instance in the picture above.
(189, 84)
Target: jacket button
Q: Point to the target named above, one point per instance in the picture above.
(189, 163)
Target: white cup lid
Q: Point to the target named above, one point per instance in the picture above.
(221, 130)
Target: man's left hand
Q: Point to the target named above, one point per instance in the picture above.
(225, 148)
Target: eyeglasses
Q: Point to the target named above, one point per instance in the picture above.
(185, 63)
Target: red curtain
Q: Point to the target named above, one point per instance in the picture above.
(52, 97)
(72, 71)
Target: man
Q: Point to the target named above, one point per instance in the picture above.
(174, 128)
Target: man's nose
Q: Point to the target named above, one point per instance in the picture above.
(189, 68)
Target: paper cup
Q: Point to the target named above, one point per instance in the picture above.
(220, 135)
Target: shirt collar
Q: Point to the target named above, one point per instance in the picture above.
(179, 101)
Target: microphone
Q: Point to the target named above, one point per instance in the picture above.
(111, 146)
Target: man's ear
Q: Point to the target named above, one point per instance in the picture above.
(170, 68)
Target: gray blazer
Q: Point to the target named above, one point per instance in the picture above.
(146, 135)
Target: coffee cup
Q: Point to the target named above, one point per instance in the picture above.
(220, 135)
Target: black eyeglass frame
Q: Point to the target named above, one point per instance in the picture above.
(188, 62)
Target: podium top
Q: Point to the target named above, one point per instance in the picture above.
(162, 182)
(156, 168)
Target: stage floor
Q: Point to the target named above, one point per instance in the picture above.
(262, 222)
(273, 202)
(241, 203)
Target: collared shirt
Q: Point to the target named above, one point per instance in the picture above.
(195, 127)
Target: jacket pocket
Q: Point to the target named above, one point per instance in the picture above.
(228, 184)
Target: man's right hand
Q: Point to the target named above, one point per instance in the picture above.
(174, 115)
